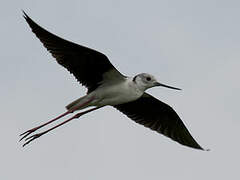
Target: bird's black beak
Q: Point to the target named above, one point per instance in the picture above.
(160, 84)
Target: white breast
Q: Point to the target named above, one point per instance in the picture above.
(119, 93)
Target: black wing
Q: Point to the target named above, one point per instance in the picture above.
(90, 67)
(159, 117)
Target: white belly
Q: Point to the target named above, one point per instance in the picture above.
(117, 94)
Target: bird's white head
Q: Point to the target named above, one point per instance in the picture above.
(145, 81)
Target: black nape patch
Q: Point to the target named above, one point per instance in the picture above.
(134, 79)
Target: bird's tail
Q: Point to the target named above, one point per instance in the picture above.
(74, 103)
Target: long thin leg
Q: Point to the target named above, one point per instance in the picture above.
(30, 131)
(35, 136)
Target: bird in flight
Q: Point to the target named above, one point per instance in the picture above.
(107, 86)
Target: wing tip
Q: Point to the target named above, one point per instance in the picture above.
(198, 147)
(25, 14)
(195, 145)
(28, 19)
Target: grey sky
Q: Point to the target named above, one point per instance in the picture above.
(194, 45)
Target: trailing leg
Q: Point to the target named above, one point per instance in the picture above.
(30, 131)
(35, 136)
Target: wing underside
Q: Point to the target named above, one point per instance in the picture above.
(159, 117)
(87, 65)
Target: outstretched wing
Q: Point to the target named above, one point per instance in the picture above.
(90, 67)
(159, 117)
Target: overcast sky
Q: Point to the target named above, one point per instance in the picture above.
(194, 45)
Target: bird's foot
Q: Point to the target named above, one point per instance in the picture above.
(33, 137)
(27, 133)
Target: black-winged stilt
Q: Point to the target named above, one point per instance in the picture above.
(107, 86)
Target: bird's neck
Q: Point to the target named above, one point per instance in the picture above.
(138, 84)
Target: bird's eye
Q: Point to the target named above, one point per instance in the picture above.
(148, 79)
